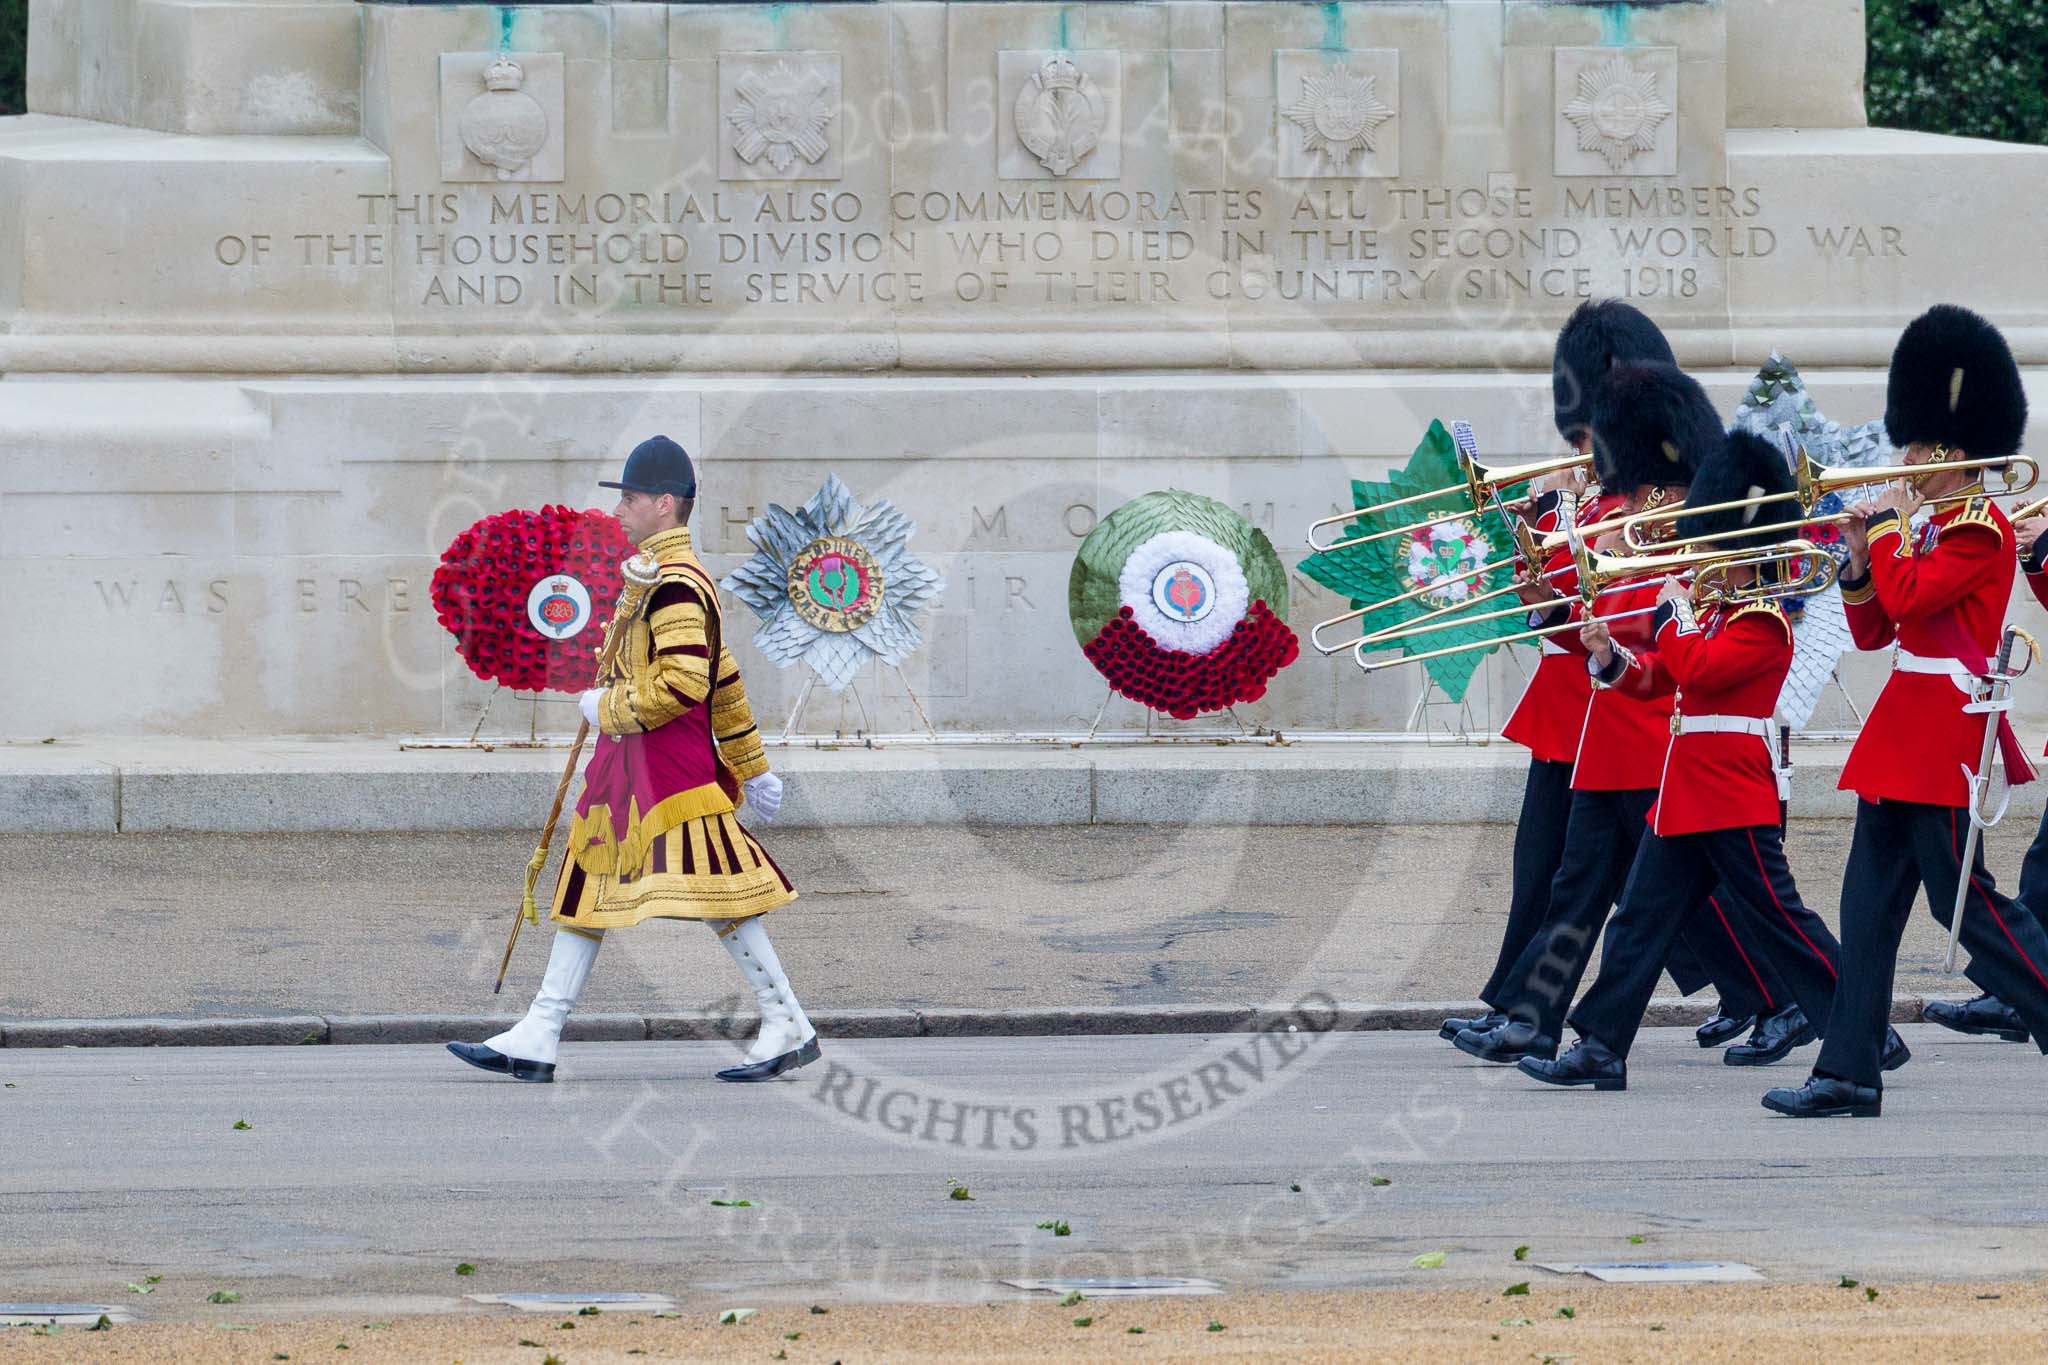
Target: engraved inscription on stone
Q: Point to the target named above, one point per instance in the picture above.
(501, 116)
(777, 111)
(1339, 110)
(1617, 111)
(1064, 115)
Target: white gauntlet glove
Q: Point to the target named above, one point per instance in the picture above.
(587, 704)
(764, 795)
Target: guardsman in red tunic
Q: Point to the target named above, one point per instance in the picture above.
(1987, 1014)
(1939, 594)
(1552, 712)
(1651, 427)
(1715, 823)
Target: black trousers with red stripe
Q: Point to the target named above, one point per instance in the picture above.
(1674, 879)
(1898, 847)
(1600, 847)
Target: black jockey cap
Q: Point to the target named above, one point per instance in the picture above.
(1953, 383)
(656, 466)
(1652, 424)
(1746, 466)
(1599, 336)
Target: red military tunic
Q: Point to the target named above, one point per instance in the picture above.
(1623, 738)
(1552, 711)
(1729, 663)
(1949, 581)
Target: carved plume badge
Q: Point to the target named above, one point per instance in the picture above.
(1059, 114)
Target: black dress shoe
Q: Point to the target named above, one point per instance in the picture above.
(1987, 1014)
(1721, 1029)
(1451, 1028)
(1824, 1097)
(774, 1066)
(1896, 1054)
(486, 1059)
(1774, 1037)
(1509, 1043)
(1589, 1062)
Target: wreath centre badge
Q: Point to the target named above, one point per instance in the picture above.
(558, 606)
(1184, 591)
(1438, 558)
(835, 584)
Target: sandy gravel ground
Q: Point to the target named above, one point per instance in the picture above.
(1558, 1320)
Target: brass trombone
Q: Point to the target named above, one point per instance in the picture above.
(1482, 483)
(1532, 549)
(1603, 573)
(1816, 481)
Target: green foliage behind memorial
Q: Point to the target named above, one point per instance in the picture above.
(1975, 68)
(13, 55)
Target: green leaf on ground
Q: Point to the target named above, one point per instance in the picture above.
(1514, 1289)
(1379, 1180)
(528, 1341)
(280, 1355)
(152, 1279)
(1215, 1326)
(1868, 1293)
(1134, 1331)
(1848, 1283)
(243, 1125)
(1430, 1260)
(466, 1268)
(1567, 1312)
(105, 1324)
(588, 1310)
(1073, 1297)
(735, 1315)
(1294, 1189)
(551, 1360)
(1057, 1227)
(819, 1312)
(959, 1191)
(1084, 1322)
(224, 1296)
(1521, 1253)
(732, 1203)
(1516, 1322)
(792, 1336)
(312, 1037)
(1636, 1239)
(140, 1289)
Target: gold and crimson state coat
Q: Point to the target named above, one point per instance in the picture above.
(655, 835)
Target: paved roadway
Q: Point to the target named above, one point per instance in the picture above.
(215, 925)
(369, 1173)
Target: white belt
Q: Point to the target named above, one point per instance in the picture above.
(1761, 726)
(1952, 669)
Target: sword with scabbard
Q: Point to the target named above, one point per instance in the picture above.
(639, 575)
(1993, 705)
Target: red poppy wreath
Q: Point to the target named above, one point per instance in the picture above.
(527, 595)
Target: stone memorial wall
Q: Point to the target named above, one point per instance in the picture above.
(292, 292)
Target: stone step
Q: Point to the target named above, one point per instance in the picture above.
(320, 786)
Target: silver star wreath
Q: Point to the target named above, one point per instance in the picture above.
(1778, 407)
(835, 584)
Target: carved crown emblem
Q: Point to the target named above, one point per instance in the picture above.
(1059, 114)
(504, 74)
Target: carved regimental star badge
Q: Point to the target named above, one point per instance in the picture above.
(1339, 114)
(1059, 114)
(835, 584)
(782, 114)
(1617, 111)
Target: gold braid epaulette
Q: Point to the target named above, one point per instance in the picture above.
(1771, 609)
(1976, 512)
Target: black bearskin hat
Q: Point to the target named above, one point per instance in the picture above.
(1954, 383)
(1746, 466)
(1651, 424)
(1599, 336)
